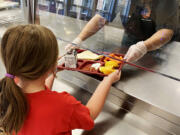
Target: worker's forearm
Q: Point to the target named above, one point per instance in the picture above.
(160, 38)
(96, 102)
(95, 24)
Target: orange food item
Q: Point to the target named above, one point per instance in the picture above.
(114, 56)
(107, 59)
(110, 64)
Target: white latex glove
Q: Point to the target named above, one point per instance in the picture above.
(77, 41)
(135, 52)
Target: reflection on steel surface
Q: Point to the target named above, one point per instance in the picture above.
(4, 19)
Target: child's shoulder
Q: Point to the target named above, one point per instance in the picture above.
(64, 97)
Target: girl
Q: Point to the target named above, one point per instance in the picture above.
(27, 105)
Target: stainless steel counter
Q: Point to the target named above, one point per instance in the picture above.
(113, 120)
(152, 97)
(151, 93)
(149, 87)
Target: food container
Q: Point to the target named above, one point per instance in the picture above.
(71, 59)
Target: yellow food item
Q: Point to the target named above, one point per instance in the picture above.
(109, 67)
(106, 70)
(88, 55)
(112, 64)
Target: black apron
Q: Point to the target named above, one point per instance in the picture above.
(139, 27)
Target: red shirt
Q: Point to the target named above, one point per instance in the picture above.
(52, 113)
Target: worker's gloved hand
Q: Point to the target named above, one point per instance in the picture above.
(69, 47)
(135, 52)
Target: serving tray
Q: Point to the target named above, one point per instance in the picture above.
(84, 66)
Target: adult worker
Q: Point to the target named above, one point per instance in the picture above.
(150, 25)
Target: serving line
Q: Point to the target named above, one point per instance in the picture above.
(149, 96)
(124, 61)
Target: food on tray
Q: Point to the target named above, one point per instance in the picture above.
(114, 56)
(109, 67)
(112, 64)
(88, 67)
(92, 69)
(106, 70)
(91, 63)
(96, 66)
(88, 55)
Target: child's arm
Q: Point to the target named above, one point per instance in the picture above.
(96, 102)
(50, 79)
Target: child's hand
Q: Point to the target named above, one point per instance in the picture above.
(114, 77)
(59, 57)
(60, 61)
(96, 102)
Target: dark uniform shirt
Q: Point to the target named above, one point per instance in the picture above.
(148, 16)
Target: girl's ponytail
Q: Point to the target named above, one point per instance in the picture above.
(13, 106)
(28, 52)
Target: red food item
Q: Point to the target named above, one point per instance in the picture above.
(87, 67)
(93, 69)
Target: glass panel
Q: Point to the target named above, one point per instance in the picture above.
(119, 25)
(127, 23)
